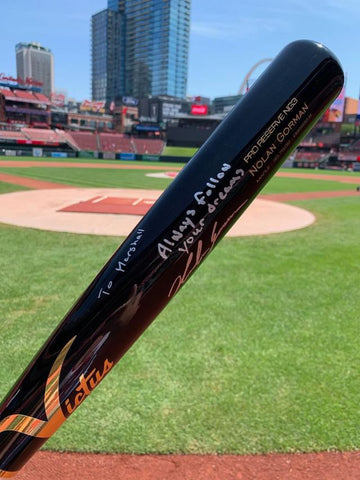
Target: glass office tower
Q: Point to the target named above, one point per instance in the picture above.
(117, 5)
(155, 46)
(108, 55)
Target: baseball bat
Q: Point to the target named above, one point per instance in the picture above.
(167, 245)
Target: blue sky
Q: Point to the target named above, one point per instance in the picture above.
(227, 38)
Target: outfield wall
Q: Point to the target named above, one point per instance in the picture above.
(129, 156)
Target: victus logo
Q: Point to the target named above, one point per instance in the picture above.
(87, 385)
(44, 429)
(35, 427)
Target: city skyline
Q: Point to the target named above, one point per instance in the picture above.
(226, 40)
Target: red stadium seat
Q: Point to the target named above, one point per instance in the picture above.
(150, 146)
(25, 95)
(42, 98)
(308, 156)
(41, 135)
(65, 137)
(115, 142)
(12, 135)
(85, 140)
(8, 94)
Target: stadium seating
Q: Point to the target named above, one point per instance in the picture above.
(66, 137)
(26, 96)
(41, 135)
(150, 146)
(9, 95)
(91, 141)
(308, 156)
(329, 139)
(355, 146)
(85, 140)
(350, 155)
(42, 98)
(12, 135)
(115, 142)
(326, 139)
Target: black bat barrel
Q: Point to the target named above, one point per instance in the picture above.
(168, 244)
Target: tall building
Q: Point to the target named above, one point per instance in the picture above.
(108, 55)
(117, 5)
(152, 45)
(36, 62)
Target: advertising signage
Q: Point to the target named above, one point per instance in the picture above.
(130, 101)
(335, 112)
(147, 128)
(199, 109)
(96, 107)
(57, 99)
(27, 82)
(171, 110)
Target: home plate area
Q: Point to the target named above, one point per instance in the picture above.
(117, 205)
(104, 211)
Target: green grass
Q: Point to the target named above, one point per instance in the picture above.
(287, 185)
(318, 171)
(259, 351)
(118, 178)
(179, 151)
(9, 187)
(97, 177)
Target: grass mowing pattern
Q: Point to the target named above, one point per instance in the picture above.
(258, 352)
(104, 178)
(137, 179)
(173, 151)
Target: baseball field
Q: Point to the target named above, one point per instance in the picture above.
(257, 354)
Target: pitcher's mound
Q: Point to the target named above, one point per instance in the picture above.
(105, 211)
